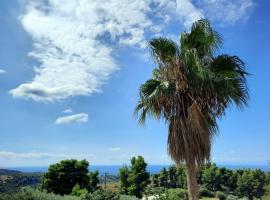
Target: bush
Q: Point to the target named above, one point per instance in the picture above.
(176, 194)
(77, 191)
(203, 192)
(126, 197)
(220, 195)
(155, 191)
(232, 197)
(159, 193)
(102, 195)
(31, 194)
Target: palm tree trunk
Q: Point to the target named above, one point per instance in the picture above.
(192, 180)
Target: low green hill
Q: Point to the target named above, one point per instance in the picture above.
(12, 180)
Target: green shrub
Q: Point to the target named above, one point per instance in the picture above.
(155, 191)
(232, 197)
(78, 191)
(203, 192)
(220, 195)
(102, 195)
(176, 194)
(31, 194)
(126, 197)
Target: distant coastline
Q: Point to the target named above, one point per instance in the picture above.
(113, 169)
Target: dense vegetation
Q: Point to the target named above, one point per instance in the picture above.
(214, 181)
(134, 182)
(62, 177)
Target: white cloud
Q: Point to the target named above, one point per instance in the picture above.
(188, 13)
(226, 11)
(221, 11)
(9, 154)
(68, 110)
(115, 149)
(75, 41)
(2, 71)
(76, 118)
(40, 155)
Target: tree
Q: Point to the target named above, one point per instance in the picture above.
(267, 178)
(138, 177)
(63, 176)
(93, 181)
(190, 88)
(163, 178)
(211, 178)
(181, 181)
(155, 180)
(123, 177)
(251, 184)
(228, 179)
(172, 176)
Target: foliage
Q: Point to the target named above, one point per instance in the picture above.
(172, 182)
(161, 193)
(63, 176)
(214, 179)
(228, 180)
(222, 179)
(267, 191)
(78, 191)
(123, 177)
(138, 177)
(267, 178)
(31, 194)
(155, 191)
(251, 184)
(175, 194)
(181, 181)
(93, 181)
(163, 178)
(126, 197)
(232, 197)
(203, 192)
(101, 194)
(155, 180)
(211, 178)
(220, 195)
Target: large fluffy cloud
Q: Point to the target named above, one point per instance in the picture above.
(74, 40)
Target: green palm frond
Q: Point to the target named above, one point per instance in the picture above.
(151, 92)
(163, 50)
(231, 79)
(202, 38)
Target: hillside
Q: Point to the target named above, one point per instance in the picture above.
(12, 180)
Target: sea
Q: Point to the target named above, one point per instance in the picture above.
(114, 169)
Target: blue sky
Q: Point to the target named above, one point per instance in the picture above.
(70, 73)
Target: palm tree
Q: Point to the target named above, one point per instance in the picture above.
(190, 88)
